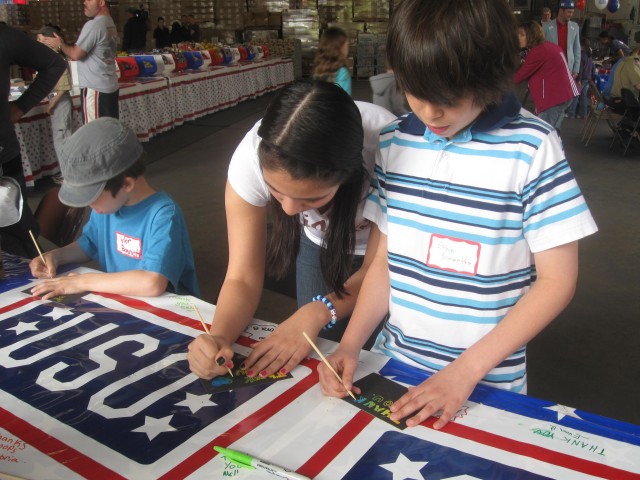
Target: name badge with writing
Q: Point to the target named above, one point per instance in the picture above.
(453, 254)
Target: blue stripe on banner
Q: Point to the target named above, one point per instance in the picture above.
(504, 240)
(528, 406)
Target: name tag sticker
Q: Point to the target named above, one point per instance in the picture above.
(129, 246)
(453, 254)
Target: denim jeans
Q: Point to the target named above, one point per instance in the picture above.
(555, 115)
(580, 104)
(310, 282)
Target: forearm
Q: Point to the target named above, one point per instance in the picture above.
(548, 296)
(236, 306)
(132, 282)
(73, 52)
(344, 306)
(372, 304)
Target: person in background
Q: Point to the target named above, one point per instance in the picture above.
(60, 106)
(386, 93)
(545, 67)
(134, 35)
(546, 15)
(176, 32)
(16, 48)
(566, 34)
(330, 63)
(307, 165)
(95, 51)
(161, 35)
(478, 214)
(625, 75)
(580, 104)
(193, 29)
(616, 48)
(136, 234)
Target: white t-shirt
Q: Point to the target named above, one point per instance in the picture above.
(245, 175)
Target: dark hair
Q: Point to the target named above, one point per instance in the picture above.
(441, 51)
(605, 34)
(329, 57)
(533, 32)
(161, 18)
(585, 43)
(314, 131)
(114, 184)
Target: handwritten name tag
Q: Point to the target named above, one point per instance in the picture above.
(453, 254)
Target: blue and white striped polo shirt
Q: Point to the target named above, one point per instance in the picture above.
(462, 219)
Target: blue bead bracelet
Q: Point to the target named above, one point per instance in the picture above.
(332, 309)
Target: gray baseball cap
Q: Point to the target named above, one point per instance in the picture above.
(94, 154)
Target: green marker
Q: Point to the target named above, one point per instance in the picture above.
(248, 461)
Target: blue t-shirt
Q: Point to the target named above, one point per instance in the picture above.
(343, 79)
(150, 235)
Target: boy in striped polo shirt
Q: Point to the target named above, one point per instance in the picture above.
(478, 211)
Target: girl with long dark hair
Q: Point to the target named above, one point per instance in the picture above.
(306, 165)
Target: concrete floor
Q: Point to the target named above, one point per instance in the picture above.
(588, 358)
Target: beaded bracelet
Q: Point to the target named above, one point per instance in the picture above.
(332, 309)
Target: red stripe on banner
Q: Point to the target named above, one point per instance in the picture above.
(147, 307)
(240, 429)
(19, 304)
(54, 448)
(534, 451)
(335, 445)
(166, 314)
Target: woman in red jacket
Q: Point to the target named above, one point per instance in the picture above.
(551, 84)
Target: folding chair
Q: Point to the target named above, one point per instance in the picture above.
(627, 130)
(597, 110)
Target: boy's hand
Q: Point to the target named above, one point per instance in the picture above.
(286, 347)
(53, 287)
(203, 354)
(446, 390)
(40, 270)
(345, 364)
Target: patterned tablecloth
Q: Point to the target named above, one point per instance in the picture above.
(154, 105)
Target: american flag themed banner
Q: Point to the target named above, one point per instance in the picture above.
(100, 388)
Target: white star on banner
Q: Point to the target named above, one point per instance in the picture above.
(564, 411)
(57, 312)
(403, 468)
(155, 426)
(196, 402)
(22, 327)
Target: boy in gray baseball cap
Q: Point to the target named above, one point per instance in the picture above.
(136, 234)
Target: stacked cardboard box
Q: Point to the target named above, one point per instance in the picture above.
(365, 55)
(202, 10)
(370, 9)
(71, 13)
(269, 5)
(333, 14)
(304, 25)
(229, 14)
(16, 15)
(169, 9)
